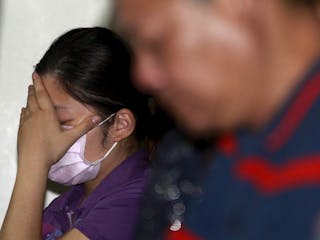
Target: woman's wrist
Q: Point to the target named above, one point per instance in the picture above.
(32, 169)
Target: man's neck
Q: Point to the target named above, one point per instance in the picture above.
(293, 46)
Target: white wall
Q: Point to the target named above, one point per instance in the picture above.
(26, 30)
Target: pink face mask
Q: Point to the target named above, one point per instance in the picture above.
(73, 168)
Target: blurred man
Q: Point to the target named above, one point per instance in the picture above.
(250, 67)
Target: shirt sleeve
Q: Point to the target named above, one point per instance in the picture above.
(111, 220)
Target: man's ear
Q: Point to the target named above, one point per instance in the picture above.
(123, 125)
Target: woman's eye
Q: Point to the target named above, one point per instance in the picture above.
(66, 124)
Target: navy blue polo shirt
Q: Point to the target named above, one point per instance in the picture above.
(264, 185)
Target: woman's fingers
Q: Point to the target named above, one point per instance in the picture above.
(41, 93)
(32, 103)
(83, 127)
(22, 115)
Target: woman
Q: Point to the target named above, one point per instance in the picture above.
(81, 83)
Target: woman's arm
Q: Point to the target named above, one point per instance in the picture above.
(41, 142)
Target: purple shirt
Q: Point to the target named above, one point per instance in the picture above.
(109, 212)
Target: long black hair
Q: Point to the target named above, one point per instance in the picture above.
(93, 66)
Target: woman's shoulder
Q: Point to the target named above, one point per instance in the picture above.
(70, 197)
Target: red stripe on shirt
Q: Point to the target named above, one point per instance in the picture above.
(228, 144)
(270, 178)
(182, 234)
(293, 117)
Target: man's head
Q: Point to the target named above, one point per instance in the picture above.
(210, 63)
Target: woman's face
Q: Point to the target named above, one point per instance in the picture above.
(71, 112)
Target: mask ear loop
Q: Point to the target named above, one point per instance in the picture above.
(107, 119)
(107, 153)
(112, 147)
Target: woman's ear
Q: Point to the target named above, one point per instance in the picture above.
(123, 125)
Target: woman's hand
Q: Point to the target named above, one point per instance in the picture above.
(41, 141)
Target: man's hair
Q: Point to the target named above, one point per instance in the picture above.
(305, 3)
